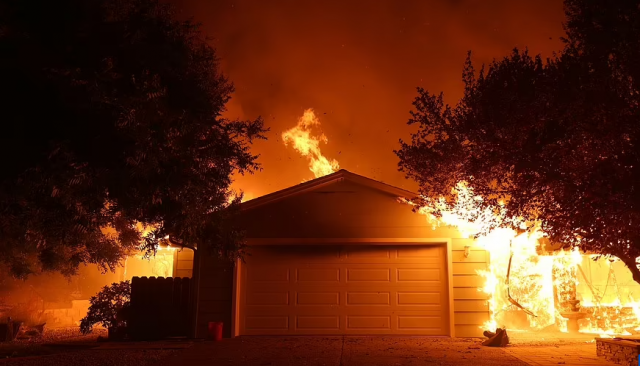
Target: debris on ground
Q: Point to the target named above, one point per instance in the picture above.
(50, 341)
(497, 339)
(28, 332)
(9, 330)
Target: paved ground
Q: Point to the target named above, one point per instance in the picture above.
(568, 355)
(546, 349)
(343, 351)
(525, 349)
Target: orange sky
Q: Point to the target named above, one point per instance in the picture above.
(357, 63)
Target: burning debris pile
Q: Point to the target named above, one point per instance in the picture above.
(533, 287)
(498, 339)
(12, 330)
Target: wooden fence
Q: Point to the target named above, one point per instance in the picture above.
(159, 307)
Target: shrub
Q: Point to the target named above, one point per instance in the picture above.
(108, 307)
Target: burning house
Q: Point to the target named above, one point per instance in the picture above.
(533, 285)
(345, 254)
(342, 254)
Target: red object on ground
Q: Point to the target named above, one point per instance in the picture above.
(215, 329)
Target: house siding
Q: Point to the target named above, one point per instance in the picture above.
(340, 210)
(183, 263)
(215, 295)
(470, 306)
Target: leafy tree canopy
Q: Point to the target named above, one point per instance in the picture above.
(555, 140)
(111, 118)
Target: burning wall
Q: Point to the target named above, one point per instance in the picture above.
(533, 287)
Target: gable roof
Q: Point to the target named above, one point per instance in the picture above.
(340, 175)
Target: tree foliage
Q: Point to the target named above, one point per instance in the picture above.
(107, 307)
(112, 118)
(555, 141)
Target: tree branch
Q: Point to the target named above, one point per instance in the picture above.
(633, 267)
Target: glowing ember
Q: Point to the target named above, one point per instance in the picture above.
(541, 289)
(308, 145)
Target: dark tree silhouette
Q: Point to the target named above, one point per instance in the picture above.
(108, 307)
(555, 140)
(111, 116)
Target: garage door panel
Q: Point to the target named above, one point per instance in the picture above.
(315, 274)
(267, 322)
(268, 274)
(419, 274)
(368, 298)
(419, 298)
(363, 290)
(368, 275)
(372, 322)
(267, 298)
(317, 322)
(324, 298)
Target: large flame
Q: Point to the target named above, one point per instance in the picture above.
(545, 284)
(308, 145)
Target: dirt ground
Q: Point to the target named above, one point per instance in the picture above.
(53, 341)
(67, 347)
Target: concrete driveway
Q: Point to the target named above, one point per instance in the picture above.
(343, 351)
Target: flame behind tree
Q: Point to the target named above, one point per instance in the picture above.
(556, 139)
(555, 143)
(542, 283)
(308, 145)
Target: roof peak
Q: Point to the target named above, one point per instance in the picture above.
(328, 179)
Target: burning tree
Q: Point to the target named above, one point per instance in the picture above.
(111, 121)
(553, 142)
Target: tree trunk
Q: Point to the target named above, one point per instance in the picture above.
(633, 267)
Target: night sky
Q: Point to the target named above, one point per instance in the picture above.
(357, 64)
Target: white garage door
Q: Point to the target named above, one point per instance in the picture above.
(344, 290)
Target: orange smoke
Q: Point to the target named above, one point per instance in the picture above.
(308, 145)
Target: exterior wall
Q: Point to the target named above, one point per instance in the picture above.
(215, 295)
(346, 210)
(183, 263)
(339, 210)
(56, 315)
(470, 306)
